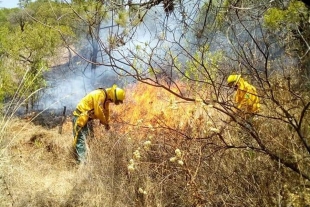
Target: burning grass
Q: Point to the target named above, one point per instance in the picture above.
(161, 151)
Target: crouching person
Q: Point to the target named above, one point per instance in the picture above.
(95, 105)
(245, 98)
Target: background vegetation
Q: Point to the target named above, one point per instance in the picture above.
(176, 141)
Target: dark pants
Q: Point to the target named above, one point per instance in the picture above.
(80, 134)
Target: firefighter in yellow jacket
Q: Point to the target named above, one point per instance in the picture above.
(94, 105)
(246, 98)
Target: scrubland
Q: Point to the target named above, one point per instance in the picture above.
(160, 152)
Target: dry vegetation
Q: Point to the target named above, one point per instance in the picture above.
(160, 152)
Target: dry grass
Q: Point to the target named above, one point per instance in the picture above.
(40, 164)
(137, 163)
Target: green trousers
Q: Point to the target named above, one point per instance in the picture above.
(79, 138)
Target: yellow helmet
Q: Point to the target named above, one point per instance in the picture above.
(233, 79)
(119, 94)
(116, 94)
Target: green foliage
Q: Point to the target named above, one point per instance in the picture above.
(122, 18)
(93, 12)
(7, 84)
(7, 77)
(52, 14)
(204, 65)
(3, 15)
(27, 43)
(136, 15)
(292, 24)
(40, 39)
(289, 18)
(223, 7)
(212, 18)
(274, 17)
(4, 32)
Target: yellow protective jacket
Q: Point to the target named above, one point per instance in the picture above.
(93, 106)
(246, 97)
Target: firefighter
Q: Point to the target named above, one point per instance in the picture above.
(246, 98)
(94, 105)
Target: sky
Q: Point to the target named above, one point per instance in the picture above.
(8, 3)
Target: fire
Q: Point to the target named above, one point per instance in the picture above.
(150, 112)
(147, 109)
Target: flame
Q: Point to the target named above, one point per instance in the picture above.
(149, 112)
(147, 109)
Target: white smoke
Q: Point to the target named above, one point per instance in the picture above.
(69, 83)
(66, 86)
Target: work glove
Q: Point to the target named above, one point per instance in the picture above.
(107, 127)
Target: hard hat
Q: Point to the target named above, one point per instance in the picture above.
(119, 94)
(116, 94)
(233, 79)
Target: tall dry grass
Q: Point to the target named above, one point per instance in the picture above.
(160, 152)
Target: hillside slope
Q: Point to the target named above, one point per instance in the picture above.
(160, 152)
